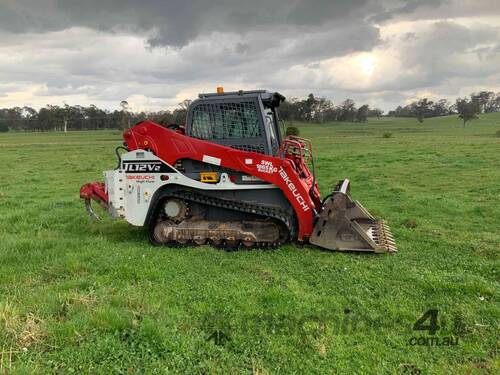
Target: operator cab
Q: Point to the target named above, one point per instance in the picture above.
(244, 120)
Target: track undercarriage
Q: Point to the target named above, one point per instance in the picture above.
(192, 218)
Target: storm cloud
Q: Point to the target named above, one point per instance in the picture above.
(156, 53)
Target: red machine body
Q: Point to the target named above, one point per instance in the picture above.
(289, 172)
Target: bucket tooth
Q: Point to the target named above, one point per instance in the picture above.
(345, 225)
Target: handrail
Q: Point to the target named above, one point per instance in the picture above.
(304, 152)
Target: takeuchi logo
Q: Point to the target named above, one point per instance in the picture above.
(291, 186)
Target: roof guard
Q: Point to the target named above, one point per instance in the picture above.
(240, 92)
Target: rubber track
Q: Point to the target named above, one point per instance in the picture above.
(257, 209)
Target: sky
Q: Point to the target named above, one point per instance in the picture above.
(156, 53)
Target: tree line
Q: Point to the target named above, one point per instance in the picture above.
(310, 109)
(77, 117)
(319, 109)
(466, 108)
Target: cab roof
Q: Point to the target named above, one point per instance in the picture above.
(266, 96)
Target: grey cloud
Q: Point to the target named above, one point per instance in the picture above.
(318, 12)
(447, 50)
(405, 8)
(108, 50)
(434, 9)
(177, 22)
(241, 47)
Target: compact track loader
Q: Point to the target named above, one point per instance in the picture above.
(230, 178)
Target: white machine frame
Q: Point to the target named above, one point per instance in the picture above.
(130, 193)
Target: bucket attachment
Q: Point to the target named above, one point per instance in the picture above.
(345, 225)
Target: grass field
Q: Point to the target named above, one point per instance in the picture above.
(84, 297)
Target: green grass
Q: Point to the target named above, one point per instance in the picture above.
(84, 297)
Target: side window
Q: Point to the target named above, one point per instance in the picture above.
(212, 121)
(202, 127)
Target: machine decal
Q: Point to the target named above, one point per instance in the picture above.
(266, 167)
(142, 178)
(293, 189)
(250, 178)
(148, 166)
(211, 160)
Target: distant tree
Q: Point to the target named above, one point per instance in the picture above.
(75, 117)
(375, 112)
(4, 128)
(125, 114)
(185, 104)
(362, 113)
(11, 117)
(440, 108)
(467, 109)
(50, 117)
(422, 108)
(331, 114)
(288, 110)
(321, 107)
(180, 114)
(164, 118)
(483, 100)
(406, 111)
(30, 117)
(308, 107)
(496, 103)
(96, 117)
(347, 110)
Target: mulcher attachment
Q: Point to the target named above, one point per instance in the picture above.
(345, 225)
(94, 191)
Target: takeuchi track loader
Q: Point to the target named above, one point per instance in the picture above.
(230, 178)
